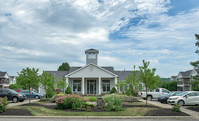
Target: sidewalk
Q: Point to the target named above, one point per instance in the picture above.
(194, 114)
(21, 103)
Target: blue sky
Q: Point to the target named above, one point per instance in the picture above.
(44, 33)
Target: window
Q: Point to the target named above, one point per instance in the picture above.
(157, 90)
(165, 91)
(91, 55)
(76, 85)
(191, 94)
(106, 85)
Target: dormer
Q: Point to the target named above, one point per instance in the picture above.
(91, 56)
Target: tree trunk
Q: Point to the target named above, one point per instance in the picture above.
(29, 94)
(146, 95)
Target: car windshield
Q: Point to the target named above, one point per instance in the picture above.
(13, 91)
(171, 93)
(181, 94)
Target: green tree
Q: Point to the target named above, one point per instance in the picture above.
(147, 77)
(195, 83)
(171, 86)
(14, 86)
(133, 81)
(61, 84)
(47, 83)
(64, 67)
(28, 78)
(68, 90)
(120, 85)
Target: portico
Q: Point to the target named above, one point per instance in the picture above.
(91, 80)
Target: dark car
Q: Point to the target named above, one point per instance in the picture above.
(164, 98)
(12, 95)
(32, 94)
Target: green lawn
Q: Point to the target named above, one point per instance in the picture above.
(42, 111)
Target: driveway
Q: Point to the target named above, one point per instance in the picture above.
(21, 103)
(183, 109)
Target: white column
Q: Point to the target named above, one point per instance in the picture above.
(67, 82)
(82, 85)
(115, 82)
(100, 83)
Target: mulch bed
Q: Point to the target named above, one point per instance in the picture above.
(17, 112)
(93, 109)
(194, 108)
(144, 106)
(164, 112)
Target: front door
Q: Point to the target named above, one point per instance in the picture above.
(91, 87)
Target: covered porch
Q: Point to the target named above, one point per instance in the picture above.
(91, 80)
(91, 86)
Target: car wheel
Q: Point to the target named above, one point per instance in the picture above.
(36, 97)
(15, 99)
(149, 98)
(181, 102)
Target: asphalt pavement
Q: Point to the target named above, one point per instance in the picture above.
(64, 119)
(21, 103)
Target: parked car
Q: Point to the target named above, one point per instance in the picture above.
(154, 94)
(185, 98)
(12, 95)
(32, 94)
(164, 98)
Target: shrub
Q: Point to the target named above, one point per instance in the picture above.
(128, 92)
(49, 93)
(114, 102)
(113, 90)
(71, 102)
(53, 99)
(57, 91)
(102, 94)
(3, 104)
(176, 108)
(90, 104)
(68, 90)
(92, 99)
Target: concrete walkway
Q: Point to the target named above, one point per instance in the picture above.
(194, 114)
(21, 103)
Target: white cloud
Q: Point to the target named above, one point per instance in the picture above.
(45, 33)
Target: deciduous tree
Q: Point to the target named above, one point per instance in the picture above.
(147, 77)
(48, 83)
(64, 67)
(28, 78)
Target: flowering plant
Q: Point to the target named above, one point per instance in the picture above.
(3, 104)
(71, 102)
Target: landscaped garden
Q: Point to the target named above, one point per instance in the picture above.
(77, 105)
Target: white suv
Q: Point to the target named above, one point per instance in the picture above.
(185, 98)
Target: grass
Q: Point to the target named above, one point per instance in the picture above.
(42, 111)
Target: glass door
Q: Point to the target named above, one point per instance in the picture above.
(91, 87)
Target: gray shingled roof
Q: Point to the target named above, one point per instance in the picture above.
(197, 71)
(58, 74)
(73, 69)
(111, 69)
(123, 74)
(92, 50)
(186, 74)
(2, 74)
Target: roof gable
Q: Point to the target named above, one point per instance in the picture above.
(91, 70)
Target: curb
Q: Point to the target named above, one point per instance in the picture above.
(99, 117)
